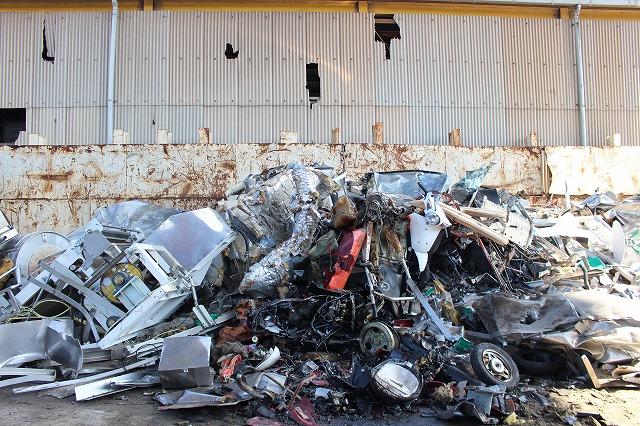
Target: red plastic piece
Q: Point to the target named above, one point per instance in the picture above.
(347, 253)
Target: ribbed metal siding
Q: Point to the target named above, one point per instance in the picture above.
(395, 125)
(48, 122)
(85, 126)
(324, 43)
(185, 58)
(390, 75)
(290, 118)
(182, 121)
(16, 69)
(321, 121)
(422, 35)
(357, 123)
(289, 66)
(50, 80)
(141, 122)
(425, 126)
(142, 62)
(255, 124)
(356, 41)
(222, 122)
(87, 58)
(255, 63)
(612, 86)
(221, 74)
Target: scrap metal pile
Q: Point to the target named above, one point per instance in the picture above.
(313, 296)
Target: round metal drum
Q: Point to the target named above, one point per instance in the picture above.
(396, 381)
(378, 336)
(34, 247)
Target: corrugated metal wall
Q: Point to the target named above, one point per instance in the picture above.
(496, 79)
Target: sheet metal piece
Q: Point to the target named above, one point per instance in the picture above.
(106, 386)
(192, 398)
(184, 362)
(272, 271)
(193, 238)
(22, 342)
(139, 364)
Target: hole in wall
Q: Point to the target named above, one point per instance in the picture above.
(48, 48)
(229, 53)
(12, 122)
(386, 29)
(313, 83)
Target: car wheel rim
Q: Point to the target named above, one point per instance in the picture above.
(496, 365)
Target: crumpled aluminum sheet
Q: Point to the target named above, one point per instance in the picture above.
(266, 214)
(272, 271)
(406, 182)
(505, 316)
(470, 183)
(22, 342)
(605, 325)
(613, 342)
(131, 215)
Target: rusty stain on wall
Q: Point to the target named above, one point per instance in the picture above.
(47, 187)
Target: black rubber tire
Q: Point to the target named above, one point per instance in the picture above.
(494, 366)
(539, 362)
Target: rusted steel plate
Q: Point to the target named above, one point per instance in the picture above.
(585, 169)
(62, 172)
(517, 169)
(59, 187)
(179, 171)
(254, 158)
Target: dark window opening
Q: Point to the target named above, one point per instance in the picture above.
(313, 83)
(12, 122)
(229, 53)
(45, 49)
(386, 29)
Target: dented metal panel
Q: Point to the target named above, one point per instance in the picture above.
(60, 187)
(184, 171)
(221, 75)
(142, 62)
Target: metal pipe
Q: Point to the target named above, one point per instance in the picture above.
(111, 73)
(580, 75)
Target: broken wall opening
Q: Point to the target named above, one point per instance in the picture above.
(313, 83)
(12, 122)
(386, 29)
